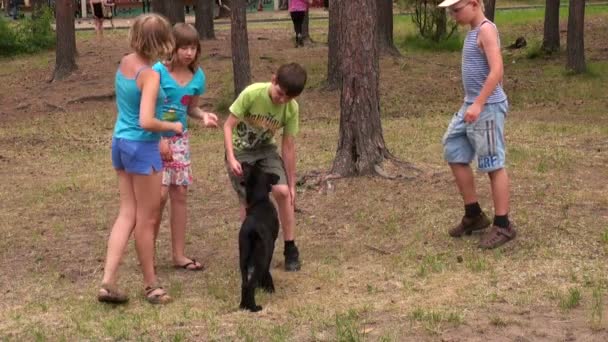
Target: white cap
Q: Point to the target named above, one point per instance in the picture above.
(448, 3)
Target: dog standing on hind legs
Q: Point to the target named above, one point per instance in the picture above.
(257, 235)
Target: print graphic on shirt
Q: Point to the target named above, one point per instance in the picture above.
(170, 115)
(186, 100)
(255, 130)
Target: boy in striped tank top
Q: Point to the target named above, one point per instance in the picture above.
(478, 127)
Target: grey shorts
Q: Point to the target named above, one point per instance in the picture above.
(483, 138)
(266, 157)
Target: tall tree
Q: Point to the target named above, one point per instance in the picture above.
(551, 33)
(173, 10)
(576, 39)
(305, 29)
(240, 46)
(65, 51)
(490, 6)
(37, 7)
(334, 76)
(361, 148)
(204, 19)
(385, 27)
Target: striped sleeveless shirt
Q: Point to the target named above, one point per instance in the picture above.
(475, 69)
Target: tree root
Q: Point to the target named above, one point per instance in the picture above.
(102, 97)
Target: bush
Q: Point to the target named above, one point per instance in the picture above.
(27, 35)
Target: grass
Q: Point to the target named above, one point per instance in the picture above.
(378, 264)
(570, 300)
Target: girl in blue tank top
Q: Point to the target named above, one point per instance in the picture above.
(136, 157)
(181, 84)
(477, 129)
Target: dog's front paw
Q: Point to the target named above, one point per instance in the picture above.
(252, 308)
(268, 288)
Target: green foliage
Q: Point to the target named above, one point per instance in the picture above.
(416, 42)
(27, 35)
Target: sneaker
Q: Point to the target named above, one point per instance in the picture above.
(497, 236)
(292, 261)
(468, 225)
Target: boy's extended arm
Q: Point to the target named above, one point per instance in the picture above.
(234, 164)
(488, 40)
(288, 153)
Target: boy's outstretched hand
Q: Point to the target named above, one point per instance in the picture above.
(235, 167)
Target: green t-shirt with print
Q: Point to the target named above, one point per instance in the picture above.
(260, 118)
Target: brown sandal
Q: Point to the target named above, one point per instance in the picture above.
(193, 265)
(157, 298)
(110, 294)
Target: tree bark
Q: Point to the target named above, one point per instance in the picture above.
(65, 50)
(203, 20)
(37, 8)
(361, 147)
(305, 30)
(240, 46)
(490, 6)
(385, 28)
(576, 39)
(551, 32)
(173, 10)
(334, 76)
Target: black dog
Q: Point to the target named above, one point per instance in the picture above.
(258, 234)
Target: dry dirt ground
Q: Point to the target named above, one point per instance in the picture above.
(378, 264)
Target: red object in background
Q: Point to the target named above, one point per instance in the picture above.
(317, 3)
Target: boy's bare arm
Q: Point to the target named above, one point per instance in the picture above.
(234, 164)
(488, 39)
(288, 153)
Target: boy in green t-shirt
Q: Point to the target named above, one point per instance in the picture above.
(257, 114)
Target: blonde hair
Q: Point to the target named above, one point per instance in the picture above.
(150, 36)
(185, 35)
(482, 5)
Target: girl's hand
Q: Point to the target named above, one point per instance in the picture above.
(165, 150)
(209, 119)
(178, 128)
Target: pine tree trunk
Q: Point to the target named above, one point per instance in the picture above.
(37, 8)
(204, 19)
(361, 146)
(551, 33)
(173, 10)
(305, 30)
(576, 40)
(334, 76)
(490, 9)
(385, 28)
(240, 46)
(65, 51)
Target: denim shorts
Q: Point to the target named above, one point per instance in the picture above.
(483, 138)
(139, 157)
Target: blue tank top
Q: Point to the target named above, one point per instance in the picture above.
(475, 69)
(128, 98)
